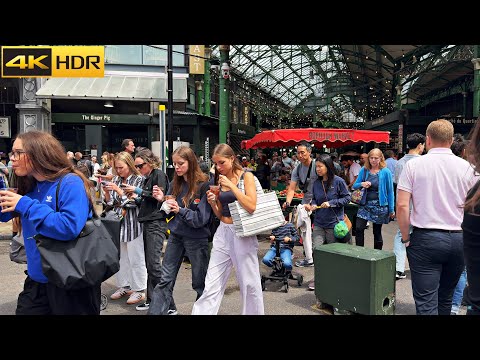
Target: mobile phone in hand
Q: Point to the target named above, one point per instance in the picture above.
(104, 183)
(123, 185)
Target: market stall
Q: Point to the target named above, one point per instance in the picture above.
(331, 138)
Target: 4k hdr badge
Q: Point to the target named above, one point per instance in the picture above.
(53, 61)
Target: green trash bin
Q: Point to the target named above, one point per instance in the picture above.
(355, 278)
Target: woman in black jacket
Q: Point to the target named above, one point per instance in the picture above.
(154, 220)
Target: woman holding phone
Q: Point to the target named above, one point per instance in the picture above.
(229, 250)
(132, 277)
(188, 229)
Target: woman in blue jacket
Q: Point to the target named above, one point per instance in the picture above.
(40, 161)
(376, 178)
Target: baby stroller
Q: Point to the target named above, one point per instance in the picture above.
(279, 272)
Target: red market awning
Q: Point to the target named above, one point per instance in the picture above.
(332, 138)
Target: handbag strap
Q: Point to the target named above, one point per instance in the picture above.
(57, 191)
(326, 197)
(258, 186)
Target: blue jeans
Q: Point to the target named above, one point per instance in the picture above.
(177, 247)
(458, 293)
(285, 255)
(436, 262)
(400, 251)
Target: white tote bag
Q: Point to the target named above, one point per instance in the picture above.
(267, 215)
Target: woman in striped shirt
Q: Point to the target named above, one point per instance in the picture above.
(132, 277)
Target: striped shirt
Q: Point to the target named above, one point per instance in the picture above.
(131, 228)
(286, 230)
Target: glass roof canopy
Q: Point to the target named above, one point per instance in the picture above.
(346, 80)
(290, 73)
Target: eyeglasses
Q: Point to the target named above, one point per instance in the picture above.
(16, 154)
(139, 166)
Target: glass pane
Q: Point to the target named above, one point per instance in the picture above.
(123, 54)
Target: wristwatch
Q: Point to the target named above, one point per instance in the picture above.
(405, 241)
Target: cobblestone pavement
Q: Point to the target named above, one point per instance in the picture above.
(298, 301)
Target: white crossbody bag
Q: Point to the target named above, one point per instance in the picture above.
(267, 215)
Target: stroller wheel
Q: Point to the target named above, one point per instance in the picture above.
(299, 280)
(263, 283)
(103, 302)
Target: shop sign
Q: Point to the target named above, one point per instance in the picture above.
(88, 118)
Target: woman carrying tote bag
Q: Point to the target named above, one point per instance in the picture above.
(229, 250)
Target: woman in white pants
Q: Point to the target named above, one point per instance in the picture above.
(229, 250)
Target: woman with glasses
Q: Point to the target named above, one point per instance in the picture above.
(39, 162)
(132, 276)
(189, 230)
(153, 220)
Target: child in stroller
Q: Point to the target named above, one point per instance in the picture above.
(279, 257)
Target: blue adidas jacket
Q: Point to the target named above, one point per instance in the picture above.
(38, 216)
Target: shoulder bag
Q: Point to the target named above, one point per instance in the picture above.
(359, 196)
(267, 215)
(85, 261)
(17, 249)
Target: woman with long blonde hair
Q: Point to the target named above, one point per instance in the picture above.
(229, 250)
(132, 277)
(377, 179)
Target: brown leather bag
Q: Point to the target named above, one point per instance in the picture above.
(347, 221)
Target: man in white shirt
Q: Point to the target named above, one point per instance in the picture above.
(351, 170)
(437, 184)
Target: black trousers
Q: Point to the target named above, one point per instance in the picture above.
(197, 252)
(154, 234)
(48, 299)
(361, 225)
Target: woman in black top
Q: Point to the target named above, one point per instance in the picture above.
(154, 220)
(471, 230)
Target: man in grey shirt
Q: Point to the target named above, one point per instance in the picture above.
(304, 175)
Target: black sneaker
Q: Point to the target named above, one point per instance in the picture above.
(400, 275)
(172, 312)
(143, 306)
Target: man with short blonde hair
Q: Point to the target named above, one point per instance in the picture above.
(441, 132)
(438, 184)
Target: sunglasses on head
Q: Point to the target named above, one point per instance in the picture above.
(139, 166)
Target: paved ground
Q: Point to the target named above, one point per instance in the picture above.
(298, 301)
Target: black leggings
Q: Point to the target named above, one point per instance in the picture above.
(359, 234)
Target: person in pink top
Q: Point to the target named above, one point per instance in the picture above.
(438, 184)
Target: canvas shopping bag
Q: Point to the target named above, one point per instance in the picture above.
(267, 215)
